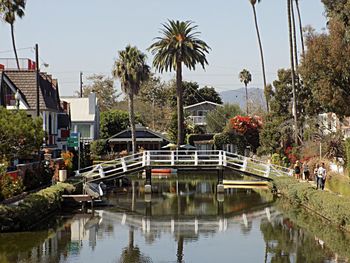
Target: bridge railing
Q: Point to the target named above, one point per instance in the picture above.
(182, 158)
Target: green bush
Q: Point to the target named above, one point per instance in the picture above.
(327, 204)
(32, 208)
(10, 187)
(98, 148)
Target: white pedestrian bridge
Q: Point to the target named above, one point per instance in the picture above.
(182, 160)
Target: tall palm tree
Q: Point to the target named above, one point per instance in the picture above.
(253, 2)
(10, 9)
(179, 45)
(300, 28)
(245, 77)
(291, 50)
(131, 69)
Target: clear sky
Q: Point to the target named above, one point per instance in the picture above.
(85, 35)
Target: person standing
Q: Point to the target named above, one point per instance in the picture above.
(315, 173)
(323, 175)
(297, 170)
(306, 171)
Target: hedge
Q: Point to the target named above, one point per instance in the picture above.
(327, 204)
(32, 209)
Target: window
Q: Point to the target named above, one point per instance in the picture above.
(84, 130)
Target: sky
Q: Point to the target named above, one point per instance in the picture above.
(85, 35)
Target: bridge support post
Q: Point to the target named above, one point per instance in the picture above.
(220, 185)
(148, 183)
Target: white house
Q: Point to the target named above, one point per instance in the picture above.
(198, 112)
(85, 116)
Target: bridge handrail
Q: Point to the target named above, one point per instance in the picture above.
(185, 158)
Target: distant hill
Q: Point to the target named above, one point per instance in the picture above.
(237, 96)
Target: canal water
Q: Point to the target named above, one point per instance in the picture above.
(183, 221)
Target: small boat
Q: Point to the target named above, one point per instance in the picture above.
(163, 171)
(245, 183)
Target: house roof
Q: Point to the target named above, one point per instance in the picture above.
(143, 133)
(25, 81)
(202, 103)
(79, 109)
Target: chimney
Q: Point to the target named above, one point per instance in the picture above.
(92, 103)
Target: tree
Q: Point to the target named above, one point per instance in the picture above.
(217, 119)
(20, 135)
(179, 45)
(245, 77)
(325, 68)
(131, 69)
(300, 28)
(154, 97)
(291, 50)
(103, 86)
(113, 122)
(253, 2)
(10, 10)
(193, 94)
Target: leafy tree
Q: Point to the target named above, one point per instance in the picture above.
(253, 3)
(245, 77)
(217, 119)
(131, 69)
(179, 45)
(153, 103)
(20, 135)
(325, 68)
(113, 122)
(193, 94)
(104, 88)
(10, 9)
(154, 92)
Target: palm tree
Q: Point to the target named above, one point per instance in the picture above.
(290, 26)
(10, 9)
(179, 45)
(131, 69)
(245, 77)
(253, 2)
(300, 28)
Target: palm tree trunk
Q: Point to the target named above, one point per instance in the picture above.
(246, 97)
(261, 54)
(180, 249)
(180, 110)
(132, 121)
(292, 70)
(295, 46)
(300, 28)
(14, 45)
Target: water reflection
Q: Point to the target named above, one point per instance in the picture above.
(182, 221)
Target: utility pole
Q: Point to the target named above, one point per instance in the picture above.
(81, 84)
(37, 80)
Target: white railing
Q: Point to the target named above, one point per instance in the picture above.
(199, 120)
(182, 158)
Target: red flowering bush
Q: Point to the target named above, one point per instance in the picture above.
(242, 124)
(248, 128)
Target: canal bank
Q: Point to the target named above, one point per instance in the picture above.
(330, 206)
(34, 208)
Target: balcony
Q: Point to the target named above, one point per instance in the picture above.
(198, 120)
